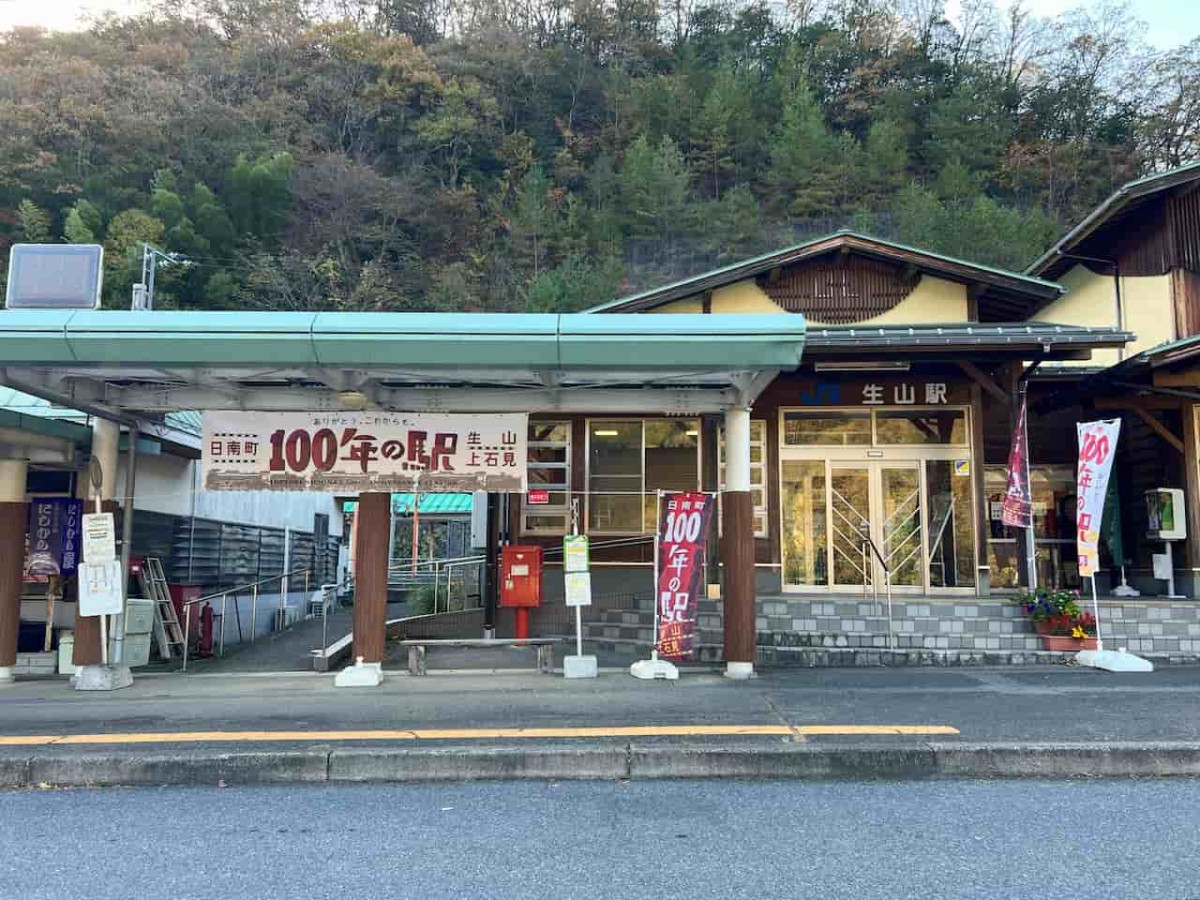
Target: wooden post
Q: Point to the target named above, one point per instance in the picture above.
(1191, 481)
(983, 573)
(371, 542)
(370, 587)
(737, 548)
(14, 519)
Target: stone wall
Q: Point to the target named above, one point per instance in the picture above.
(1141, 626)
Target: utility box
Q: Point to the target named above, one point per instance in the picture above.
(521, 576)
(139, 622)
(139, 616)
(1165, 511)
(66, 651)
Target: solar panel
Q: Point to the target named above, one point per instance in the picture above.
(54, 276)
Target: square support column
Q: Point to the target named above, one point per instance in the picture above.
(373, 522)
(737, 548)
(14, 520)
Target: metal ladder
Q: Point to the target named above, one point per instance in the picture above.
(168, 634)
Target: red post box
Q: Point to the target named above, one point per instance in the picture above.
(521, 582)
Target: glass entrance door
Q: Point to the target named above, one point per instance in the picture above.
(873, 515)
(901, 530)
(850, 524)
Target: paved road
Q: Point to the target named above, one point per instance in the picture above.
(1094, 840)
(1052, 703)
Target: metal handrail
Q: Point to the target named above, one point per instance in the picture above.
(253, 587)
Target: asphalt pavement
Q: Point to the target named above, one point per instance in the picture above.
(891, 841)
(1003, 704)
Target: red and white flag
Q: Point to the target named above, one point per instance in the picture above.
(1017, 511)
(1097, 447)
(683, 533)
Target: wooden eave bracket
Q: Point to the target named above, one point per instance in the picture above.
(984, 380)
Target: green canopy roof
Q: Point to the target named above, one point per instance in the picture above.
(110, 362)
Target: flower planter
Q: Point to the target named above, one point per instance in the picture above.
(1067, 643)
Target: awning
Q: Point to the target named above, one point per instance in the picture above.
(1029, 341)
(122, 364)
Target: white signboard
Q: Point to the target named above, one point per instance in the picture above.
(100, 590)
(1097, 447)
(346, 452)
(579, 589)
(99, 538)
(575, 553)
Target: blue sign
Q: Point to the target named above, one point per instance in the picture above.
(53, 539)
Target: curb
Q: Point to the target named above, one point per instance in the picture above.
(617, 761)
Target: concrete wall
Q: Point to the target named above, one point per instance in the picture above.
(1146, 302)
(170, 484)
(261, 615)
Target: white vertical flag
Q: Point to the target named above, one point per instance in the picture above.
(1097, 447)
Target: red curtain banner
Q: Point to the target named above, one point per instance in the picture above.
(682, 536)
(1017, 511)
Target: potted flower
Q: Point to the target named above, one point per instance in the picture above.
(1058, 618)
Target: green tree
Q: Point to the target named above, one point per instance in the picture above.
(260, 192)
(574, 284)
(35, 222)
(654, 188)
(534, 221)
(811, 170)
(83, 224)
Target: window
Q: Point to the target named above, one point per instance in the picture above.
(928, 426)
(549, 470)
(1052, 490)
(629, 460)
(758, 471)
(943, 426)
(839, 429)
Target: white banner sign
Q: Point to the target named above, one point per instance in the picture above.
(100, 590)
(1097, 447)
(99, 538)
(347, 452)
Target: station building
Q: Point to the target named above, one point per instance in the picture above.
(851, 399)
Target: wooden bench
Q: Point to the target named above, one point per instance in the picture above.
(416, 649)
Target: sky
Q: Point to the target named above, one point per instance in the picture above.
(1170, 22)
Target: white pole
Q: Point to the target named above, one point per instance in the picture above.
(657, 520)
(104, 640)
(578, 631)
(1031, 540)
(1096, 613)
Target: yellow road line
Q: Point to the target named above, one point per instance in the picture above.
(436, 734)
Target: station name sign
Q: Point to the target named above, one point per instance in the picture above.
(349, 452)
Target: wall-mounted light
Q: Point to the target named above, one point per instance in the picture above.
(352, 399)
(883, 365)
(604, 432)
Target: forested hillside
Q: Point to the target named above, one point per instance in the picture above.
(550, 154)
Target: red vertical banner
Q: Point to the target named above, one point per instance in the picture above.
(1017, 511)
(682, 536)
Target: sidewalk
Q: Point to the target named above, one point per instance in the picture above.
(861, 723)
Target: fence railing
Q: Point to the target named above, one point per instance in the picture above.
(254, 588)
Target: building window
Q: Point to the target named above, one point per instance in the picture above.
(827, 429)
(758, 471)
(940, 426)
(629, 460)
(1052, 492)
(549, 470)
